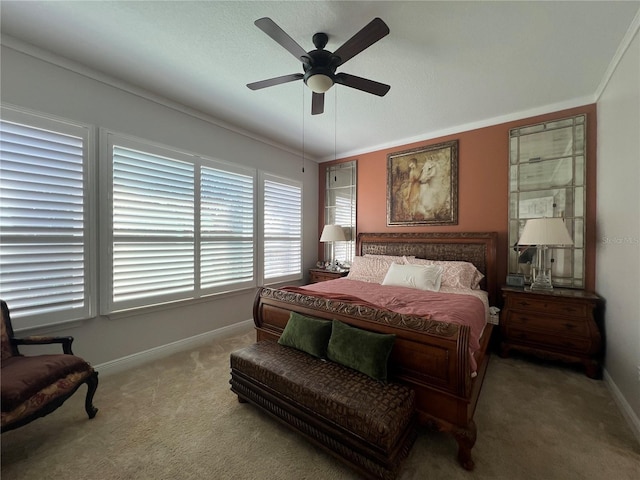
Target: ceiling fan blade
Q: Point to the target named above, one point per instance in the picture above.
(270, 27)
(274, 81)
(317, 103)
(363, 84)
(370, 34)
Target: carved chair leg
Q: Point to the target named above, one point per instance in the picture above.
(92, 386)
(466, 439)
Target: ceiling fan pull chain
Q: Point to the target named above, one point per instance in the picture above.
(335, 127)
(303, 128)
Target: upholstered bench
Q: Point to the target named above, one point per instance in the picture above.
(365, 422)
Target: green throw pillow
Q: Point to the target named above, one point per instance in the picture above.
(308, 334)
(365, 351)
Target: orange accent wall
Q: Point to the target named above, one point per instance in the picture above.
(483, 192)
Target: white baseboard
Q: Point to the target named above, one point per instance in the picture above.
(629, 415)
(140, 358)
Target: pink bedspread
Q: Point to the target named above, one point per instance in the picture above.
(458, 308)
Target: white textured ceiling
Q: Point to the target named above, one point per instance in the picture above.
(451, 65)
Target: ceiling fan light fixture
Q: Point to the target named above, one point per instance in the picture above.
(319, 83)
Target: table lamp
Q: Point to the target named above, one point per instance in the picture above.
(543, 232)
(331, 234)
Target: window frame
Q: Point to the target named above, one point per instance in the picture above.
(264, 177)
(87, 133)
(239, 170)
(98, 219)
(108, 139)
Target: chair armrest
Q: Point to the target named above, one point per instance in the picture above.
(43, 340)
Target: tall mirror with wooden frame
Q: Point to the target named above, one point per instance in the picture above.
(340, 209)
(547, 179)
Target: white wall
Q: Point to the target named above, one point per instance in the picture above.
(618, 224)
(41, 84)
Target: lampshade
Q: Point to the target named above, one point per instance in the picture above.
(545, 231)
(319, 83)
(333, 233)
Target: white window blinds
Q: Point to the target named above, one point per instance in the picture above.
(43, 220)
(344, 214)
(227, 227)
(153, 227)
(282, 229)
(181, 226)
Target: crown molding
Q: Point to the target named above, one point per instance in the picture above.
(80, 69)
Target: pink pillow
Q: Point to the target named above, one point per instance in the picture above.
(454, 274)
(370, 269)
(399, 259)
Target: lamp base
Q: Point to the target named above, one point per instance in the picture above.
(542, 281)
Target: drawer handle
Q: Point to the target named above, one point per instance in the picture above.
(523, 303)
(570, 326)
(570, 309)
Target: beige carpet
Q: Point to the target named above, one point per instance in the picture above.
(177, 419)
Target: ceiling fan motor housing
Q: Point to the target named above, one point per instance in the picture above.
(320, 62)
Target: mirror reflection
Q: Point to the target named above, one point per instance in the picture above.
(546, 179)
(340, 209)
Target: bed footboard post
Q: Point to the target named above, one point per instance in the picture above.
(256, 307)
(466, 438)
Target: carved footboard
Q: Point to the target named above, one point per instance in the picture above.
(430, 356)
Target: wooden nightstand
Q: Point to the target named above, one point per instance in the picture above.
(320, 274)
(556, 325)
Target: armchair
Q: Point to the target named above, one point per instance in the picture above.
(34, 386)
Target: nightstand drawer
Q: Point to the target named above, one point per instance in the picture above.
(550, 307)
(564, 326)
(320, 275)
(540, 340)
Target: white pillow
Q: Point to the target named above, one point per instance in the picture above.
(422, 277)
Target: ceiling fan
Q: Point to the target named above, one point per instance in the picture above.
(320, 65)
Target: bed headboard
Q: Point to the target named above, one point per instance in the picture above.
(478, 248)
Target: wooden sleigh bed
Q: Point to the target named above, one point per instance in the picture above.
(430, 356)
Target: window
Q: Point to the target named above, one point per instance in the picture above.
(44, 211)
(153, 227)
(282, 229)
(227, 228)
(344, 216)
(172, 237)
(172, 225)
